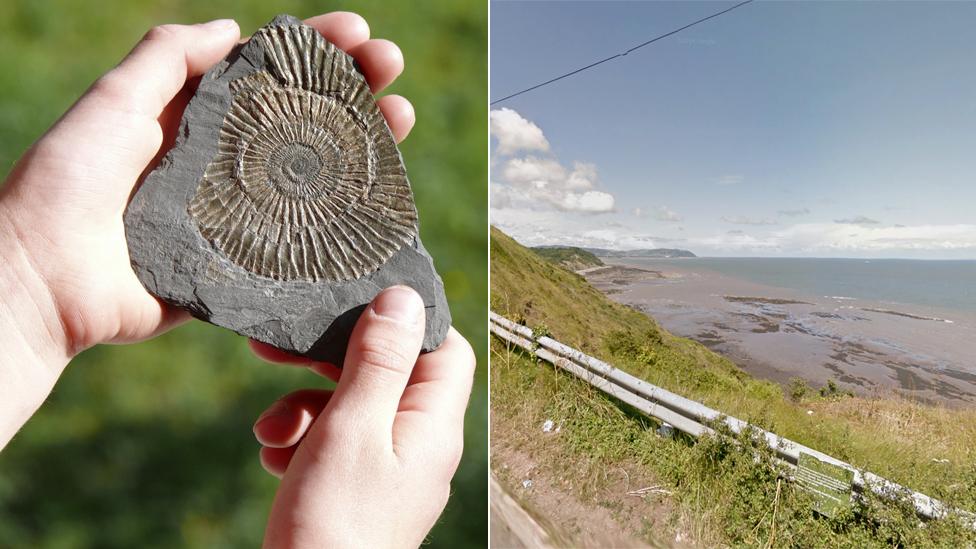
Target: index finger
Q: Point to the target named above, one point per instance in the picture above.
(380, 62)
(343, 28)
(275, 355)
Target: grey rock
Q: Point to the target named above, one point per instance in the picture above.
(288, 293)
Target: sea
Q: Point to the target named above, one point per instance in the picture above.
(949, 284)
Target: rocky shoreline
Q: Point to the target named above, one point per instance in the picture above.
(869, 347)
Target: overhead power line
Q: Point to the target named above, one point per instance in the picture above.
(621, 54)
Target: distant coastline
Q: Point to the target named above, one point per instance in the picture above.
(656, 253)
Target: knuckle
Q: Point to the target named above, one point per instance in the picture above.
(161, 32)
(382, 354)
(332, 425)
(115, 91)
(111, 87)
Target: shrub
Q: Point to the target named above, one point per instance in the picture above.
(797, 389)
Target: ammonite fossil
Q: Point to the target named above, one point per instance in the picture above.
(307, 182)
(284, 206)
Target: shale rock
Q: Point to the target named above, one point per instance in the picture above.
(284, 206)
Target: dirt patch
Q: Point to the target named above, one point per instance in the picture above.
(511, 526)
(619, 520)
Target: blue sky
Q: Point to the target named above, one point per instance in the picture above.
(779, 129)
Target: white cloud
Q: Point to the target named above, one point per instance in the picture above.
(544, 183)
(794, 213)
(514, 133)
(744, 220)
(845, 240)
(540, 181)
(823, 239)
(638, 212)
(583, 176)
(501, 196)
(589, 201)
(667, 214)
(849, 237)
(540, 228)
(732, 243)
(531, 169)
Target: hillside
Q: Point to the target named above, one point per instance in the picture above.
(568, 257)
(903, 441)
(653, 253)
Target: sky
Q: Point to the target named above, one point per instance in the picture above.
(792, 129)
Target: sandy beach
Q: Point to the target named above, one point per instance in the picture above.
(870, 347)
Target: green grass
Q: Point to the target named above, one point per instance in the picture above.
(569, 257)
(150, 445)
(897, 439)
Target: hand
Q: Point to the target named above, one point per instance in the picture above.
(369, 465)
(65, 277)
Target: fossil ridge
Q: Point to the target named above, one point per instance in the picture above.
(283, 208)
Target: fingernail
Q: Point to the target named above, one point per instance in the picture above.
(399, 303)
(219, 24)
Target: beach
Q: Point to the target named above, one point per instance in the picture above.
(871, 347)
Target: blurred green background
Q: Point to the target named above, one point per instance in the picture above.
(150, 445)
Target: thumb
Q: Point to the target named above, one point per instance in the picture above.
(158, 67)
(383, 349)
(119, 113)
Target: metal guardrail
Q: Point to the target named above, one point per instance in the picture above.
(694, 418)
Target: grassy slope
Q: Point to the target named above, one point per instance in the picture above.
(569, 257)
(897, 439)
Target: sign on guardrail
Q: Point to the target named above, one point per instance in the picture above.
(830, 484)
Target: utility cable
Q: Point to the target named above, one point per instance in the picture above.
(622, 54)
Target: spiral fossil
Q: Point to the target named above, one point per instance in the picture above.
(307, 182)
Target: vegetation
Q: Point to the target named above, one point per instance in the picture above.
(720, 494)
(832, 390)
(568, 257)
(797, 389)
(647, 253)
(150, 445)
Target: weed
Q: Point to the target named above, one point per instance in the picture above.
(798, 389)
(832, 391)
